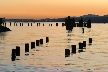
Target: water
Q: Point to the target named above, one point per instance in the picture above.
(50, 57)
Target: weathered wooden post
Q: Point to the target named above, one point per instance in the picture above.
(80, 45)
(81, 23)
(82, 30)
(37, 42)
(90, 41)
(41, 41)
(17, 51)
(13, 55)
(56, 24)
(22, 24)
(37, 24)
(84, 44)
(31, 24)
(32, 45)
(26, 47)
(63, 24)
(68, 23)
(67, 52)
(28, 24)
(47, 39)
(73, 49)
(89, 23)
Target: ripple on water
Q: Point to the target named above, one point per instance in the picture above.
(51, 58)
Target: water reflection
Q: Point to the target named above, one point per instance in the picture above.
(2, 35)
(15, 55)
(52, 57)
(71, 49)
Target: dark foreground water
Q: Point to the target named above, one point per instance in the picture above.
(50, 57)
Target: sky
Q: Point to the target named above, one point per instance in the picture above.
(38, 9)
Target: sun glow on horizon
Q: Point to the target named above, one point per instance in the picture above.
(38, 9)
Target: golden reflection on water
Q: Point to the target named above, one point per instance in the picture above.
(51, 56)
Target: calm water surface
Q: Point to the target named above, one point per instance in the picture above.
(50, 57)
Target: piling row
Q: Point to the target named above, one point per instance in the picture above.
(82, 46)
(16, 52)
(70, 23)
(30, 24)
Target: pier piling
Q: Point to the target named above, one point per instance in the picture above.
(41, 41)
(56, 24)
(67, 52)
(73, 49)
(84, 44)
(17, 51)
(26, 47)
(32, 45)
(37, 42)
(47, 39)
(13, 55)
(90, 41)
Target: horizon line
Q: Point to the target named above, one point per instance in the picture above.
(55, 18)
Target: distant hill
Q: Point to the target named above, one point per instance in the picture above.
(94, 18)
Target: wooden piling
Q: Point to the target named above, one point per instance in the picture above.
(82, 30)
(28, 24)
(22, 24)
(67, 52)
(89, 23)
(14, 23)
(13, 55)
(37, 42)
(26, 47)
(17, 51)
(56, 24)
(63, 24)
(90, 41)
(73, 49)
(84, 44)
(80, 45)
(47, 39)
(37, 24)
(51, 24)
(31, 24)
(32, 45)
(41, 41)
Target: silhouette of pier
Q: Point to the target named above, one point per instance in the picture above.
(70, 23)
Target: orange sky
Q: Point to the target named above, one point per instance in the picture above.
(38, 9)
